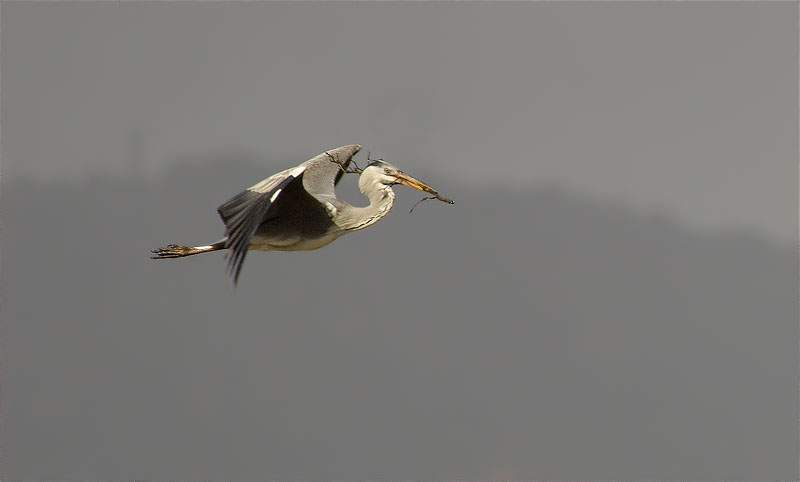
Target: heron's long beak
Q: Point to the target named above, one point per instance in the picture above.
(409, 181)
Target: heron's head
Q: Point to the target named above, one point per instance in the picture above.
(381, 172)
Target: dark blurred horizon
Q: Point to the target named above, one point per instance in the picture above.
(418, 348)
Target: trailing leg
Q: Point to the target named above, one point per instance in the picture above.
(179, 250)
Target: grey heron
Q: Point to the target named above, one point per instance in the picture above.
(297, 209)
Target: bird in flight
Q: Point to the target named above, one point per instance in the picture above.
(297, 209)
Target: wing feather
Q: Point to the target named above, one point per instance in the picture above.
(243, 213)
(323, 173)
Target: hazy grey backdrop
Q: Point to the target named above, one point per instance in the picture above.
(614, 295)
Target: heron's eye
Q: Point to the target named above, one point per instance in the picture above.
(387, 170)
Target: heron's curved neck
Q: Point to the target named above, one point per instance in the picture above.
(381, 198)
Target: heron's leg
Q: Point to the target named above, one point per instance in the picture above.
(179, 250)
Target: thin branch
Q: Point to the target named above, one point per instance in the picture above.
(356, 170)
(435, 196)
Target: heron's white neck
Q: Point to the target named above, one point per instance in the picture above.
(381, 198)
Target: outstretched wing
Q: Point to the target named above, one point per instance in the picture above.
(244, 212)
(323, 171)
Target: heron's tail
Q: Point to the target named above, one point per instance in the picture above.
(179, 250)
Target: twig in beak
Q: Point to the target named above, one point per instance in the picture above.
(435, 196)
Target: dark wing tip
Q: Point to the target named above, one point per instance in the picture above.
(242, 215)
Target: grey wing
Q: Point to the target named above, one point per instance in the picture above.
(323, 173)
(243, 213)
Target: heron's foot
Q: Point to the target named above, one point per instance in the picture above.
(174, 251)
(354, 170)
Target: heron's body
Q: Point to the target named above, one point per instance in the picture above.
(297, 209)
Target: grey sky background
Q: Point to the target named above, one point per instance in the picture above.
(683, 109)
(614, 295)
